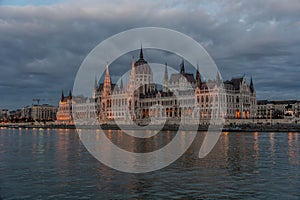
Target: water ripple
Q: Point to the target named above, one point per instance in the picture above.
(37, 164)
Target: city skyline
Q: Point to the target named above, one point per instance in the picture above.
(151, 99)
(175, 60)
(41, 50)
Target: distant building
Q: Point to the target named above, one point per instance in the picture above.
(26, 113)
(4, 114)
(278, 109)
(14, 115)
(64, 114)
(43, 112)
(84, 108)
(241, 99)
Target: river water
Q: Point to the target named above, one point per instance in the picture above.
(54, 164)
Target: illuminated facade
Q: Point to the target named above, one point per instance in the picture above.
(64, 114)
(278, 109)
(181, 93)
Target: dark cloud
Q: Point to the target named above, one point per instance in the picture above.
(42, 47)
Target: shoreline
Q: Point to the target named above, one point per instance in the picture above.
(167, 127)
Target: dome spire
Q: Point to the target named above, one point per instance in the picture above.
(141, 52)
(141, 60)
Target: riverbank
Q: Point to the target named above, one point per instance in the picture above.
(171, 127)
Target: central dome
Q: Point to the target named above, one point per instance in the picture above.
(141, 65)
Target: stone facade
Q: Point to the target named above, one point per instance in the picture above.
(43, 112)
(182, 94)
(64, 113)
(278, 109)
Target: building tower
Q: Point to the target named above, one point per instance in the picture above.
(106, 97)
(70, 95)
(218, 79)
(182, 70)
(95, 88)
(107, 83)
(166, 79)
(251, 85)
(62, 96)
(131, 86)
(198, 78)
(121, 85)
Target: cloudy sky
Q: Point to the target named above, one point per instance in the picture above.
(43, 42)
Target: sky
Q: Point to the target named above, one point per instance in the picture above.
(44, 42)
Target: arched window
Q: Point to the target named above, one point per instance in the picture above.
(237, 114)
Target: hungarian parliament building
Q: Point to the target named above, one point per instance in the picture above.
(181, 94)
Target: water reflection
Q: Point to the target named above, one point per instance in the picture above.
(39, 164)
(293, 148)
(225, 138)
(256, 145)
(62, 152)
(272, 148)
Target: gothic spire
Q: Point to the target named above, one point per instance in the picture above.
(107, 71)
(182, 71)
(141, 53)
(132, 63)
(121, 84)
(107, 82)
(251, 85)
(166, 76)
(218, 79)
(132, 76)
(198, 77)
(70, 94)
(95, 87)
(95, 83)
(62, 95)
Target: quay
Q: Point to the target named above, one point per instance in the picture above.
(166, 127)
